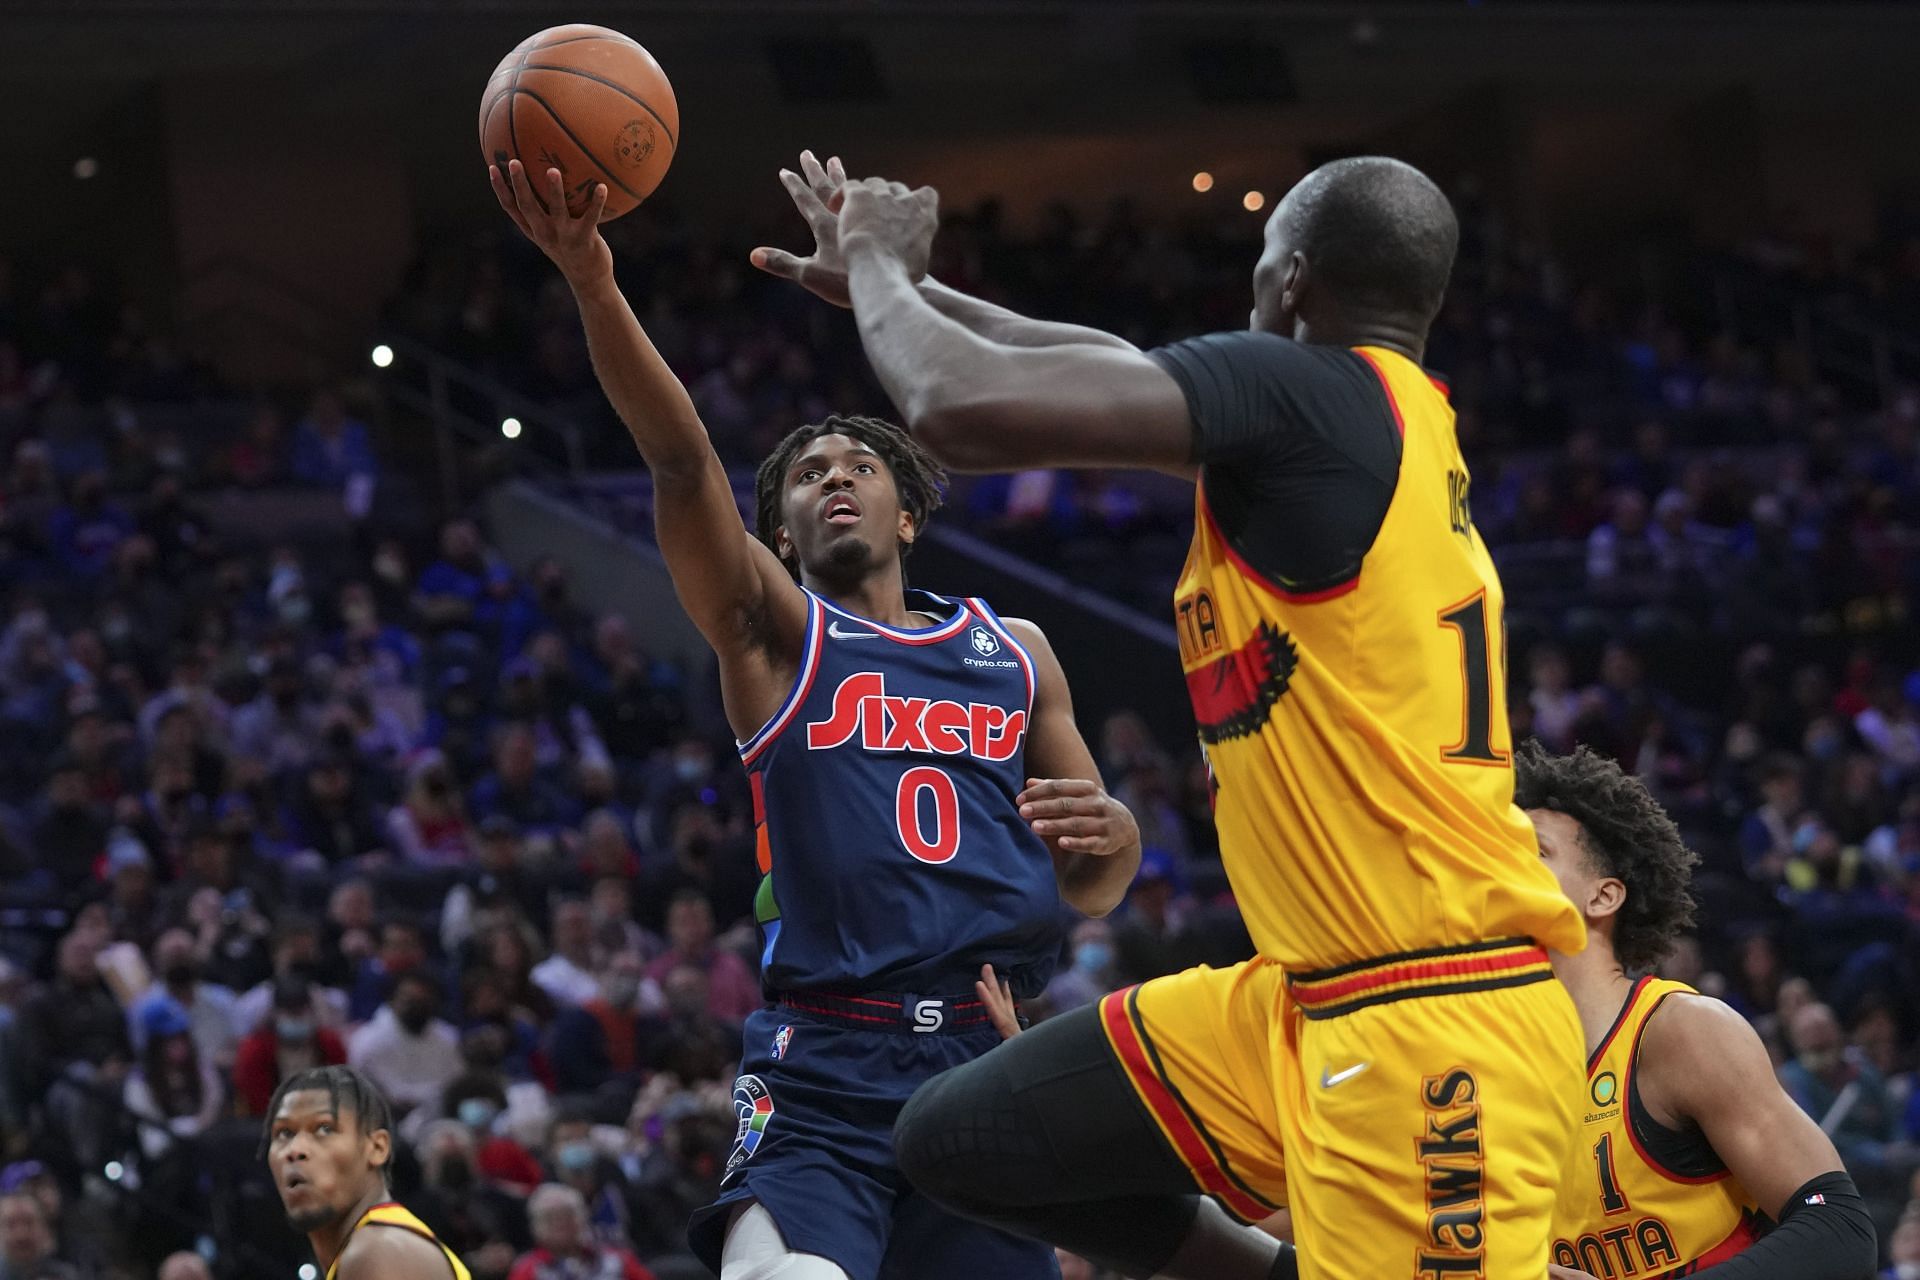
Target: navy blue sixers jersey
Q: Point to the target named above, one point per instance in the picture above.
(893, 856)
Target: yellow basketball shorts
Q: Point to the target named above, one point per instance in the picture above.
(1414, 1113)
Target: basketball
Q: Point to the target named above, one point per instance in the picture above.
(589, 102)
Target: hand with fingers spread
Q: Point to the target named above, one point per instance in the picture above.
(997, 997)
(1078, 816)
(884, 218)
(816, 193)
(574, 243)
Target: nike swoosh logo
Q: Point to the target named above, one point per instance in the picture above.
(833, 629)
(1341, 1077)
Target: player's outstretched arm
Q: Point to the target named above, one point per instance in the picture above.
(735, 590)
(1093, 838)
(1701, 1062)
(985, 406)
(816, 194)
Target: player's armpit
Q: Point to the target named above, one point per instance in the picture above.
(1701, 1062)
(1093, 838)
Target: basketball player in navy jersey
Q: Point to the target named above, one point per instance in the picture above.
(923, 802)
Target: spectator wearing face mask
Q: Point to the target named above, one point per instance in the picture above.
(477, 1101)
(208, 1006)
(564, 1249)
(1841, 1091)
(473, 1218)
(577, 1162)
(607, 1041)
(430, 827)
(296, 954)
(288, 1042)
(405, 1049)
(1092, 973)
(403, 949)
(732, 992)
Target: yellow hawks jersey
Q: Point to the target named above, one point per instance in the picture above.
(1357, 734)
(1642, 1201)
(393, 1215)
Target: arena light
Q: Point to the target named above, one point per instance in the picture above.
(308, 1271)
(1203, 181)
(510, 428)
(85, 167)
(1253, 202)
(382, 356)
(114, 1171)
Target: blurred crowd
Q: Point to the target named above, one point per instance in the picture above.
(374, 796)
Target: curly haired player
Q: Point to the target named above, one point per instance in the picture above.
(1688, 1146)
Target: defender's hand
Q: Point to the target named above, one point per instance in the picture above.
(816, 194)
(997, 996)
(885, 217)
(1079, 815)
(1565, 1273)
(575, 244)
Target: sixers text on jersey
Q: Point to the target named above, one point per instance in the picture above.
(892, 851)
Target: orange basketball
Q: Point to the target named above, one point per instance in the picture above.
(588, 102)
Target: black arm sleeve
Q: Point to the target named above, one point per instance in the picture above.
(1824, 1234)
(1299, 451)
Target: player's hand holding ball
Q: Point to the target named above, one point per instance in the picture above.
(1078, 816)
(816, 194)
(574, 243)
(877, 216)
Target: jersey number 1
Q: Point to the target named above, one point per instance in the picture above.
(1477, 641)
(1610, 1198)
(943, 841)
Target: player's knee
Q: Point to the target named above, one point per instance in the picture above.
(755, 1250)
(937, 1141)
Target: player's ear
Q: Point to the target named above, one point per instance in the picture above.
(1606, 897)
(380, 1150)
(907, 530)
(1293, 283)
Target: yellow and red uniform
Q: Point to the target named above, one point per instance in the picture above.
(1401, 1005)
(1639, 1201)
(394, 1215)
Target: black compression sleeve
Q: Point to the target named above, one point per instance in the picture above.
(1824, 1234)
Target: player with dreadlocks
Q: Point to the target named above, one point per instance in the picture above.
(329, 1145)
(923, 802)
(1688, 1147)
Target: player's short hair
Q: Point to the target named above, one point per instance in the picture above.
(1625, 834)
(347, 1089)
(918, 478)
(1377, 233)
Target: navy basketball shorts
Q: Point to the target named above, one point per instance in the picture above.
(819, 1089)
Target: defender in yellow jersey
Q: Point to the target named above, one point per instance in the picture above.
(1398, 1065)
(1688, 1148)
(329, 1144)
